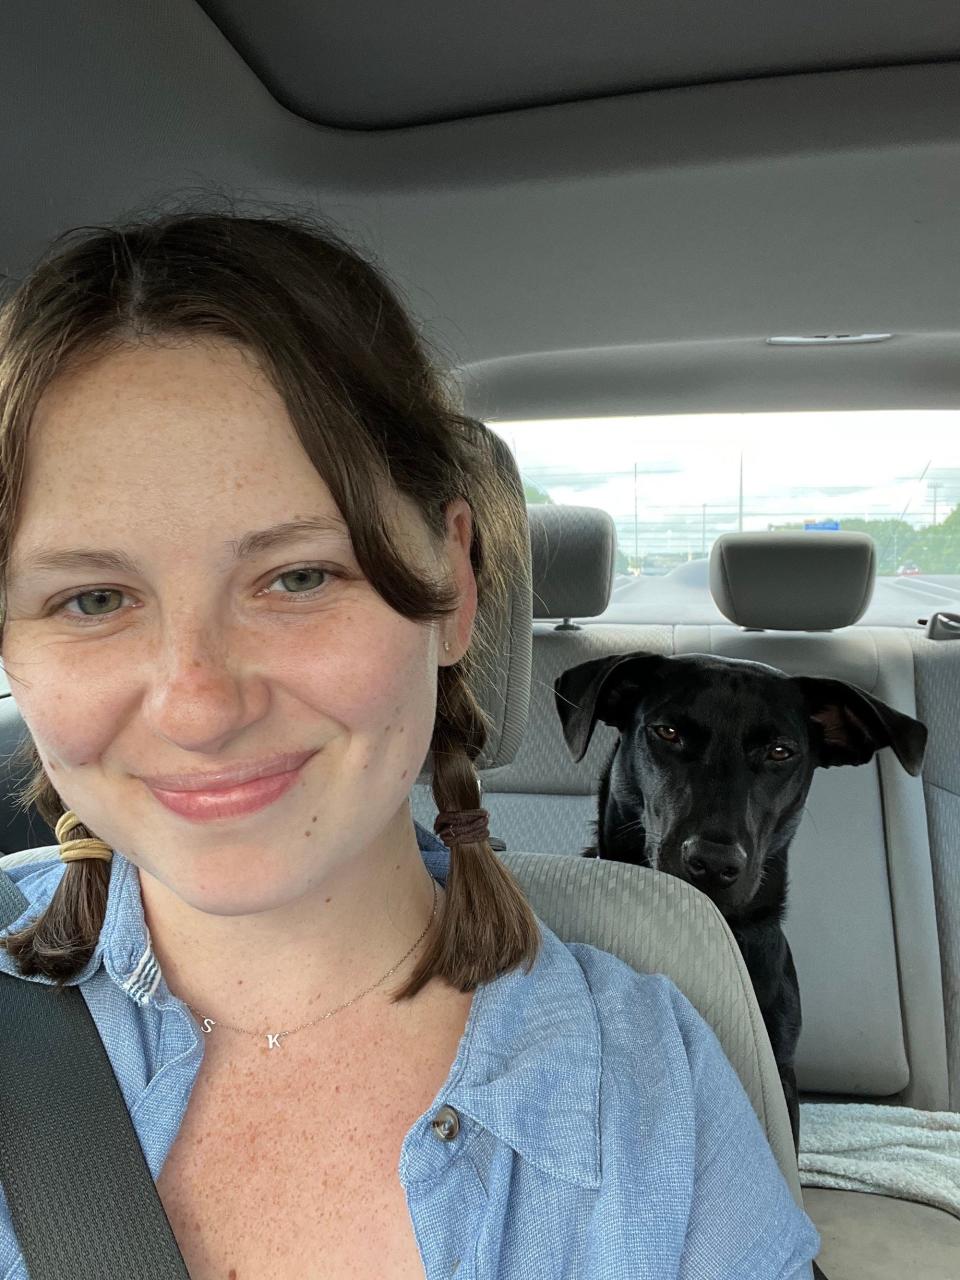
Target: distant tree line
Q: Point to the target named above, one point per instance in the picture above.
(935, 549)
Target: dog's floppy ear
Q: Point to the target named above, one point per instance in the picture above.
(853, 725)
(602, 689)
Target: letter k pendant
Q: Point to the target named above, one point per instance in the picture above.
(273, 1042)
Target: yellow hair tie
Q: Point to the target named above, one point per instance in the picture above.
(78, 850)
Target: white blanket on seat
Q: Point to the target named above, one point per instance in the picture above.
(894, 1151)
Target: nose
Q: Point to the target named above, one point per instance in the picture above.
(198, 696)
(712, 862)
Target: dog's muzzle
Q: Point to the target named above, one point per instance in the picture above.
(710, 864)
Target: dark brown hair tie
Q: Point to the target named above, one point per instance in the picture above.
(462, 826)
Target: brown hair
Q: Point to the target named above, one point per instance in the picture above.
(370, 410)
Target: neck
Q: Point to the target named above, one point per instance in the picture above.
(309, 944)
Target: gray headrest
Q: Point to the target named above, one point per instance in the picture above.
(502, 681)
(813, 581)
(574, 552)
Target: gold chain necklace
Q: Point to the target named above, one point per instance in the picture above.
(274, 1038)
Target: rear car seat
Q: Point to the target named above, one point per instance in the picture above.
(863, 919)
(872, 923)
(862, 916)
(937, 668)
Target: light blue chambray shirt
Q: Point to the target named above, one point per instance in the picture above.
(603, 1135)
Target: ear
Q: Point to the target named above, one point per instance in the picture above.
(852, 725)
(602, 689)
(457, 626)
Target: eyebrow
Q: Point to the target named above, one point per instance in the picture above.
(250, 544)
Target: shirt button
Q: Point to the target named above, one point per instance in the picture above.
(446, 1124)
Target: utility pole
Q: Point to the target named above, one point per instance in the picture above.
(934, 486)
(740, 512)
(636, 524)
(703, 530)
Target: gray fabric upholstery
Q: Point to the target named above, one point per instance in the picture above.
(937, 666)
(657, 924)
(503, 668)
(840, 927)
(869, 1237)
(574, 554)
(793, 581)
(543, 764)
(943, 815)
(542, 824)
(523, 820)
(502, 679)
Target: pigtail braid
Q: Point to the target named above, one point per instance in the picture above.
(60, 941)
(486, 927)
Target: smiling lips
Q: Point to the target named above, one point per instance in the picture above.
(227, 793)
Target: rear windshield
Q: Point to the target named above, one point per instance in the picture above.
(674, 484)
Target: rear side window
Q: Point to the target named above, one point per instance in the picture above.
(674, 484)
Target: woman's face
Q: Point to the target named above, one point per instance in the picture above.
(209, 680)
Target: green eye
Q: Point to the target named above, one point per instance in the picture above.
(96, 603)
(298, 580)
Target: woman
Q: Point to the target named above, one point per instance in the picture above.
(246, 545)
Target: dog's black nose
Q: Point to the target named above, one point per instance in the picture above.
(710, 862)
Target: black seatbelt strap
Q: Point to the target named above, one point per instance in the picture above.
(79, 1190)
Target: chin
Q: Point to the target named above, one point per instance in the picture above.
(233, 876)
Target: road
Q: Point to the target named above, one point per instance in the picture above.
(683, 597)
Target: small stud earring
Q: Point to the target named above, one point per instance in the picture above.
(446, 646)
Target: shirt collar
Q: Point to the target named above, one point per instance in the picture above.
(123, 946)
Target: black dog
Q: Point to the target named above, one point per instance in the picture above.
(708, 781)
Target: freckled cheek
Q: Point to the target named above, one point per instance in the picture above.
(382, 693)
(74, 724)
(73, 709)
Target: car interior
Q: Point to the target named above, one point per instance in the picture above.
(697, 268)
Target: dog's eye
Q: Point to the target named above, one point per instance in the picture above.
(667, 732)
(779, 752)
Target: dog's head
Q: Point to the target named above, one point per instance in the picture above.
(716, 756)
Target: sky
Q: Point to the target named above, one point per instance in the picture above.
(796, 466)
